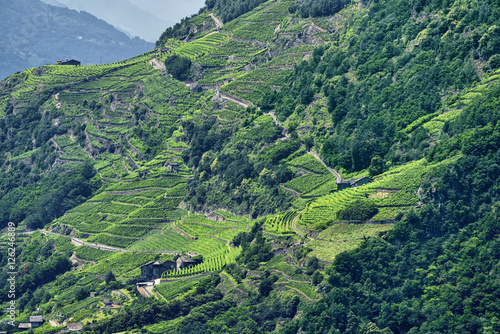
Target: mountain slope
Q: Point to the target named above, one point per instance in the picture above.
(34, 34)
(243, 157)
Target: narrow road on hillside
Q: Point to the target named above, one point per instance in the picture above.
(78, 242)
(218, 22)
(319, 28)
(276, 120)
(236, 100)
(293, 192)
(338, 177)
(295, 227)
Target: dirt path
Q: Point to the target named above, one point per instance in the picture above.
(78, 242)
(236, 100)
(218, 22)
(56, 144)
(338, 177)
(293, 192)
(125, 167)
(276, 120)
(133, 149)
(211, 236)
(294, 226)
(131, 192)
(158, 65)
(178, 230)
(227, 227)
(189, 277)
(128, 155)
(319, 28)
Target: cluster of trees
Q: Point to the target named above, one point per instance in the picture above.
(315, 8)
(179, 67)
(144, 311)
(231, 9)
(226, 175)
(39, 263)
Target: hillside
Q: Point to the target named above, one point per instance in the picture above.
(329, 166)
(35, 33)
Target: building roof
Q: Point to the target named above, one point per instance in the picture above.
(352, 181)
(36, 318)
(147, 264)
(185, 259)
(24, 325)
(162, 262)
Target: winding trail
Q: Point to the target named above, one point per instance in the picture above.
(319, 28)
(338, 177)
(294, 226)
(293, 192)
(178, 230)
(79, 242)
(218, 22)
(276, 120)
(239, 101)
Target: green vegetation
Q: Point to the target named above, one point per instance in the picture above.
(213, 261)
(172, 290)
(125, 155)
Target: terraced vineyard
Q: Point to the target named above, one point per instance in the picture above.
(394, 191)
(281, 224)
(127, 211)
(192, 233)
(212, 261)
(313, 180)
(339, 238)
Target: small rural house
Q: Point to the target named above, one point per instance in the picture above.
(174, 167)
(184, 262)
(153, 270)
(36, 321)
(70, 62)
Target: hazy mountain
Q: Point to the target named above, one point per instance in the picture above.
(145, 19)
(34, 33)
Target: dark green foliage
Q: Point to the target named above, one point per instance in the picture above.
(144, 312)
(376, 87)
(257, 318)
(109, 277)
(266, 284)
(179, 67)
(315, 8)
(39, 263)
(231, 9)
(376, 166)
(317, 277)
(218, 158)
(39, 201)
(416, 279)
(360, 210)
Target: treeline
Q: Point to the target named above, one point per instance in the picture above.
(315, 8)
(230, 9)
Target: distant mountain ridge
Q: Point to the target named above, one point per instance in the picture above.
(35, 33)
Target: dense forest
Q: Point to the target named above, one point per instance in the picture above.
(236, 149)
